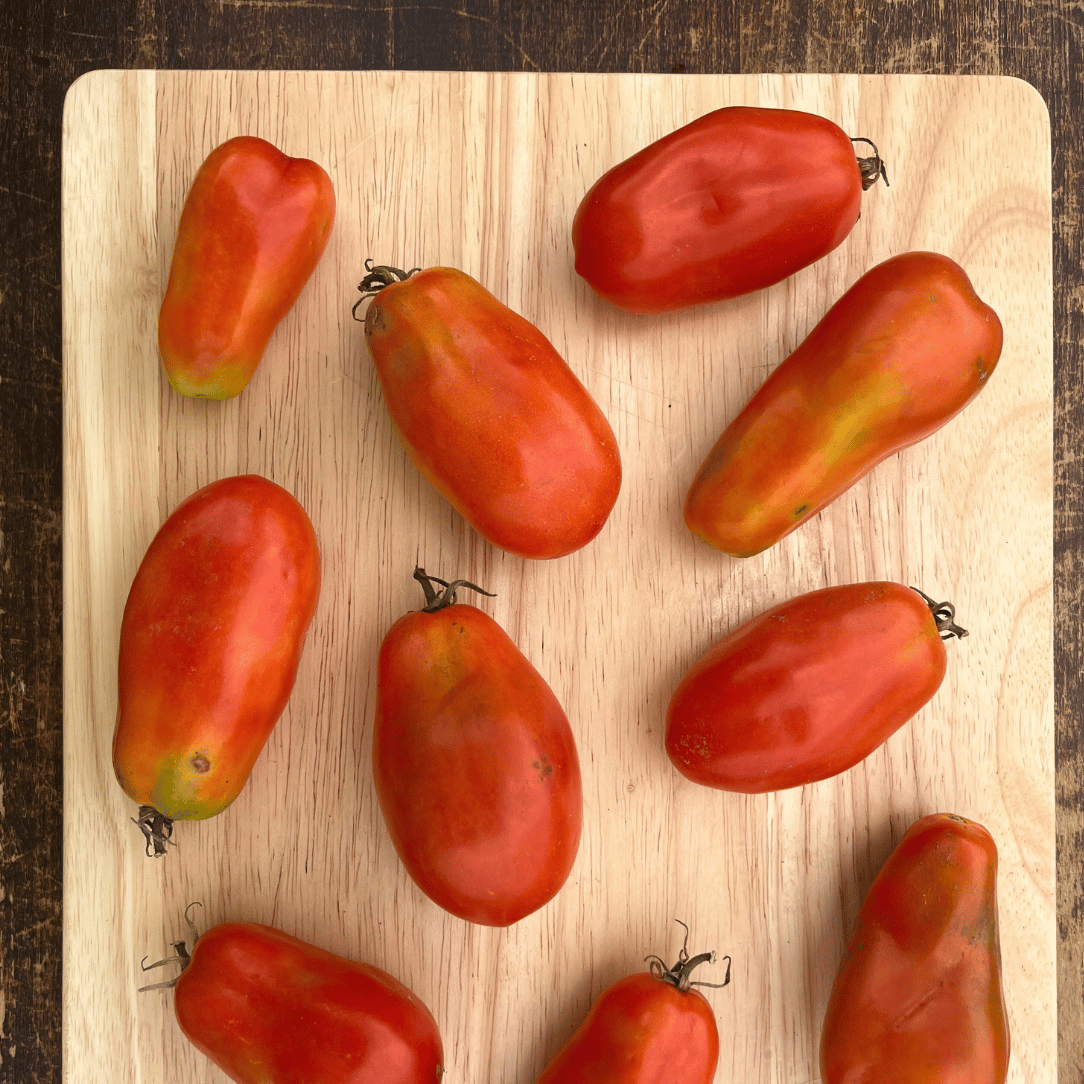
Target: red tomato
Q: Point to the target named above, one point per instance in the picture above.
(252, 230)
(210, 643)
(908, 346)
(490, 413)
(475, 763)
(918, 996)
(733, 202)
(267, 1008)
(809, 688)
(649, 1028)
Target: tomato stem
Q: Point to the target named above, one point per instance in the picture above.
(435, 600)
(944, 615)
(182, 955)
(157, 830)
(871, 168)
(678, 975)
(378, 276)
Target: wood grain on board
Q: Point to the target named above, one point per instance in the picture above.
(484, 172)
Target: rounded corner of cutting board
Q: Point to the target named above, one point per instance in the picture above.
(88, 85)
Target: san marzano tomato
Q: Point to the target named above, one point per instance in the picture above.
(907, 347)
(253, 228)
(268, 1008)
(918, 997)
(647, 1028)
(490, 413)
(809, 688)
(732, 202)
(210, 644)
(475, 763)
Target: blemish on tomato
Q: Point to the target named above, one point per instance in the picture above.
(375, 320)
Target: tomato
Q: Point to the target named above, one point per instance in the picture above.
(210, 642)
(907, 347)
(490, 413)
(735, 201)
(809, 688)
(918, 996)
(475, 763)
(268, 1008)
(646, 1028)
(253, 228)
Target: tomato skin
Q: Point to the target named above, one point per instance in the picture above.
(268, 1008)
(492, 415)
(475, 765)
(641, 1030)
(211, 638)
(918, 996)
(907, 347)
(252, 230)
(805, 690)
(733, 202)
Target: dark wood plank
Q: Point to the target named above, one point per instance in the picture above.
(1065, 98)
(45, 46)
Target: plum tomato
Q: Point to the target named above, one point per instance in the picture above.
(918, 996)
(489, 412)
(647, 1028)
(269, 1008)
(210, 642)
(809, 688)
(735, 201)
(253, 228)
(475, 763)
(907, 347)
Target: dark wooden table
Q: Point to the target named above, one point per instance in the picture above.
(47, 45)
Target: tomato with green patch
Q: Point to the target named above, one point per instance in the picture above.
(210, 642)
(252, 230)
(906, 348)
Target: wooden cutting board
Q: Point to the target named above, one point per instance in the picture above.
(484, 172)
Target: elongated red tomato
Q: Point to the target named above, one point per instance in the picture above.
(210, 642)
(907, 347)
(475, 763)
(252, 230)
(648, 1028)
(809, 688)
(735, 201)
(918, 996)
(268, 1008)
(490, 413)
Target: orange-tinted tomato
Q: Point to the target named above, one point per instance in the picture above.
(491, 414)
(735, 201)
(648, 1028)
(907, 346)
(918, 996)
(210, 643)
(475, 764)
(809, 688)
(252, 230)
(268, 1008)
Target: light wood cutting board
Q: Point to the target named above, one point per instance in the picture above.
(484, 172)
